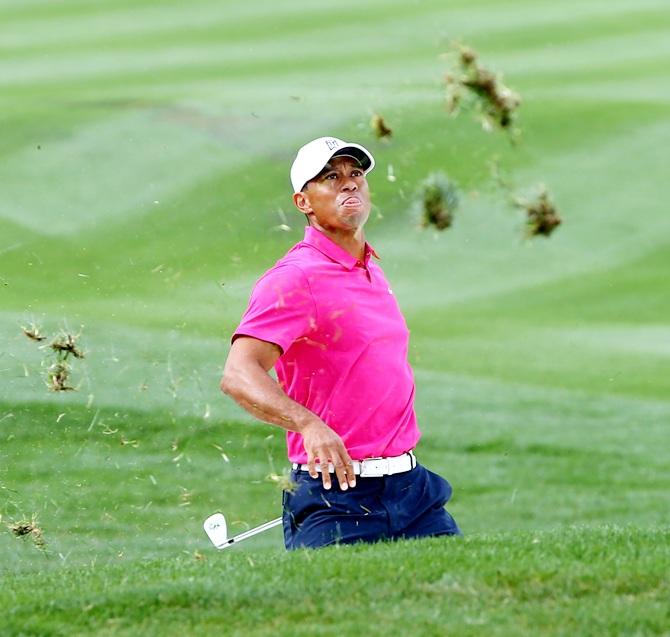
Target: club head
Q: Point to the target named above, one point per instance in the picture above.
(216, 529)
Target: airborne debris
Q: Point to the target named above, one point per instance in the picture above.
(436, 200)
(33, 332)
(224, 456)
(58, 373)
(470, 84)
(94, 420)
(63, 345)
(185, 497)
(128, 443)
(25, 528)
(66, 343)
(379, 127)
(283, 481)
(542, 215)
(57, 376)
(284, 225)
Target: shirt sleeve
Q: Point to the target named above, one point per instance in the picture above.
(281, 308)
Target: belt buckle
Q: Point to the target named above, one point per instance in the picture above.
(374, 467)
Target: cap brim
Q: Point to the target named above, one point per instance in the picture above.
(357, 153)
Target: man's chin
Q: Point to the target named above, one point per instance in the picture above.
(357, 215)
(355, 219)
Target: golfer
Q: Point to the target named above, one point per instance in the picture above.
(325, 318)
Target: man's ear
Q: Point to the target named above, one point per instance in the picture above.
(301, 201)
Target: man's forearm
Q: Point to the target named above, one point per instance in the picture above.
(253, 389)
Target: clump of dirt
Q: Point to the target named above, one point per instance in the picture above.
(542, 215)
(28, 528)
(436, 201)
(379, 127)
(470, 84)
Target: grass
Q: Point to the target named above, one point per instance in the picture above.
(144, 168)
(494, 584)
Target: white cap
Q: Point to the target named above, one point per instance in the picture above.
(312, 158)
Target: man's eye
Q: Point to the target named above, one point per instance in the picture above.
(331, 176)
(357, 173)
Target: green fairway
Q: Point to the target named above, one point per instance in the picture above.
(144, 158)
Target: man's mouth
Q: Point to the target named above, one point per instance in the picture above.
(351, 202)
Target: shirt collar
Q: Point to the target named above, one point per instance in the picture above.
(335, 252)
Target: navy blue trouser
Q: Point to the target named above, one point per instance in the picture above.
(404, 505)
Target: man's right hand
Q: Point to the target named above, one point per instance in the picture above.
(322, 443)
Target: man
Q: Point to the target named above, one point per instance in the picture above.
(326, 319)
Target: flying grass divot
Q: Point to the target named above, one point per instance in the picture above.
(28, 528)
(542, 216)
(436, 201)
(470, 85)
(56, 361)
(379, 127)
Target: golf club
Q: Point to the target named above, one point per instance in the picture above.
(217, 530)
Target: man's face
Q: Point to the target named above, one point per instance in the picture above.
(338, 198)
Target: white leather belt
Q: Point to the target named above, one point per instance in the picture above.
(374, 467)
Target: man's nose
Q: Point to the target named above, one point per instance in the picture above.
(349, 184)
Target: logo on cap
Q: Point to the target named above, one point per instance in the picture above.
(332, 144)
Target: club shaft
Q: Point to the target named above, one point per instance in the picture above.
(251, 532)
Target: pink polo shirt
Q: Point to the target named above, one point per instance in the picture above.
(344, 343)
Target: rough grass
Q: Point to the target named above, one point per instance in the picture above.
(579, 581)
